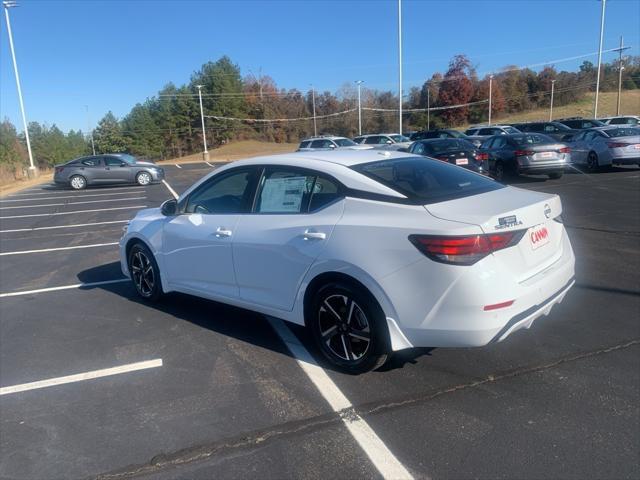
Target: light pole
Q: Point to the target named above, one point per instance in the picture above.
(89, 131)
(400, 66)
(595, 105)
(205, 154)
(620, 69)
(490, 95)
(7, 5)
(313, 103)
(428, 106)
(359, 82)
(553, 85)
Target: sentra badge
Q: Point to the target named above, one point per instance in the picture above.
(506, 222)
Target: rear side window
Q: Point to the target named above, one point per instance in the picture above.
(489, 131)
(91, 162)
(425, 181)
(321, 144)
(511, 130)
(471, 131)
(305, 144)
(323, 193)
(624, 121)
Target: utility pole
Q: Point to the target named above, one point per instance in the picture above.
(205, 154)
(33, 172)
(490, 95)
(428, 106)
(620, 69)
(553, 84)
(89, 131)
(595, 105)
(400, 66)
(359, 82)
(313, 100)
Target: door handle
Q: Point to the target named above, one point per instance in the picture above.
(223, 232)
(311, 235)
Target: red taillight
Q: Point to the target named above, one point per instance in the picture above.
(523, 153)
(464, 250)
(496, 306)
(482, 156)
(617, 144)
(565, 150)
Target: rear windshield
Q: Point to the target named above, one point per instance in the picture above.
(344, 142)
(440, 146)
(424, 181)
(531, 139)
(623, 132)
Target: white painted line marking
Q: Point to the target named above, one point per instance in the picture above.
(79, 377)
(75, 211)
(2, 200)
(381, 457)
(210, 164)
(173, 192)
(75, 203)
(52, 190)
(64, 287)
(21, 252)
(62, 226)
(178, 166)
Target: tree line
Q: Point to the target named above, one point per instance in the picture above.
(168, 124)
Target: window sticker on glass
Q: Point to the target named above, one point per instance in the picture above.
(282, 195)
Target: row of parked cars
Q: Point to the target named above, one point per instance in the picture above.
(521, 148)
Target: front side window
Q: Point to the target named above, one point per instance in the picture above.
(511, 130)
(358, 139)
(231, 193)
(305, 144)
(113, 161)
(425, 181)
(471, 132)
(373, 140)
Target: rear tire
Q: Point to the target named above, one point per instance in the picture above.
(499, 173)
(144, 272)
(349, 328)
(555, 175)
(78, 182)
(143, 179)
(592, 162)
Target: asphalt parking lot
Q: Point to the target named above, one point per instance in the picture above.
(220, 395)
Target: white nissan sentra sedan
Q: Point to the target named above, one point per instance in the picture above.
(373, 251)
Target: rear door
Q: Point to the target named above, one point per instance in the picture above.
(273, 248)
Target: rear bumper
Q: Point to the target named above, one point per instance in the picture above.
(626, 160)
(543, 168)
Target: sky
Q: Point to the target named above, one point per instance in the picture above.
(110, 55)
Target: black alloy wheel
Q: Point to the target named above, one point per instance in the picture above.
(144, 272)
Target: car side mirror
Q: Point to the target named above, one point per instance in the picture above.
(331, 145)
(124, 164)
(169, 208)
(389, 142)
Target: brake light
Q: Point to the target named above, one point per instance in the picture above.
(523, 153)
(565, 150)
(496, 306)
(464, 250)
(617, 144)
(482, 156)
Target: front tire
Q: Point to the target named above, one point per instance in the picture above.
(143, 179)
(555, 175)
(349, 328)
(144, 272)
(78, 182)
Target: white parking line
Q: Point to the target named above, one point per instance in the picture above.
(209, 164)
(42, 250)
(62, 226)
(79, 377)
(74, 203)
(74, 211)
(64, 287)
(178, 166)
(173, 192)
(51, 191)
(2, 200)
(381, 457)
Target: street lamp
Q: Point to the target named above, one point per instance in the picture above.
(428, 106)
(359, 82)
(313, 102)
(595, 106)
(490, 96)
(7, 5)
(553, 84)
(400, 66)
(205, 154)
(89, 131)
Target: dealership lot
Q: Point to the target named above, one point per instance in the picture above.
(220, 394)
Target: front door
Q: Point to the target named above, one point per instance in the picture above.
(295, 213)
(197, 242)
(116, 170)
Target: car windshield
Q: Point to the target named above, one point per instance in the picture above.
(127, 158)
(344, 142)
(423, 180)
(532, 139)
(623, 132)
(511, 130)
(399, 138)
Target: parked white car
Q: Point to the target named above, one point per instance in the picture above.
(374, 251)
(388, 141)
(329, 143)
(604, 146)
(627, 120)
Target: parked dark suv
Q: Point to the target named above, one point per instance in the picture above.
(579, 123)
(107, 169)
(553, 129)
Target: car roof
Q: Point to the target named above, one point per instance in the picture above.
(347, 158)
(323, 137)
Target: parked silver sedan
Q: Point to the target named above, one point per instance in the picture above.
(105, 170)
(604, 146)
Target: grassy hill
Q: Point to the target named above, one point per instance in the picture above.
(238, 150)
(629, 105)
